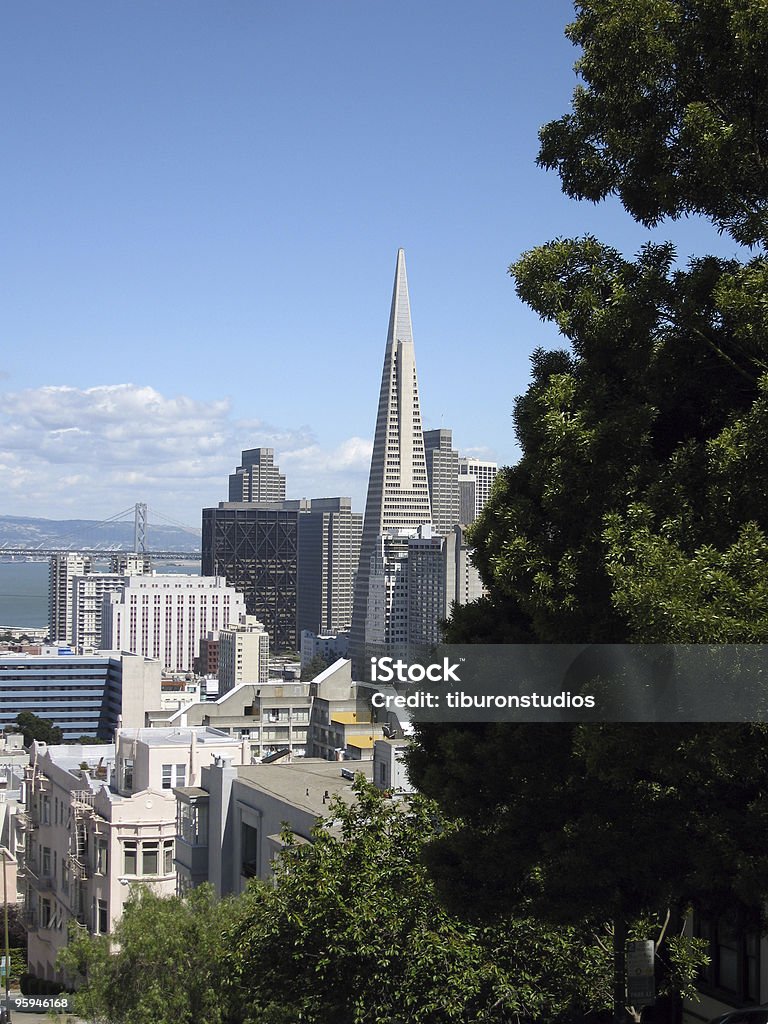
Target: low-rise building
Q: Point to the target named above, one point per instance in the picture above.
(99, 819)
(229, 827)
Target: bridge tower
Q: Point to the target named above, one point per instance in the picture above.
(140, 529)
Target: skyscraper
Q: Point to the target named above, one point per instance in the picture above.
(398, 491)
(258, 478)
(443, 474)
(329, 549)
(482, 474)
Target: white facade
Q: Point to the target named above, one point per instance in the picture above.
(88, 594)
(100, 819)
(483, 474)
(243, 653)
(165, 616)
(61, 571)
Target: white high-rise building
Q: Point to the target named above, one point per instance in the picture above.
(398, 490)
(165, 616)
(61, 571)
(88, 594)
(482, 474)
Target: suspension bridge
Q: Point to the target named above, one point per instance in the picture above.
(76, 544)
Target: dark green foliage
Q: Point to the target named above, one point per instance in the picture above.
(638, 512)
(35, 728)
(673, 113)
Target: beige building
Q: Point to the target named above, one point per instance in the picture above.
(229, 827)
(99, 819)
(243, 653)
(271, 717)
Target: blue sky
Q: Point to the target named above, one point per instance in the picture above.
(201, 210)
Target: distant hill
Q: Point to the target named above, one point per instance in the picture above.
(24, 531)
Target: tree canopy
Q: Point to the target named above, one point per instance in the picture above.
(637, 512)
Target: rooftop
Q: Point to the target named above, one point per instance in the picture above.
(180, 736)
(304, 783)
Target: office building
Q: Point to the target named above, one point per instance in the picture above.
(243, 653)
(131, 563)
(258, 478)
(256, 547)
(398, 489)
(61, 571)
(482, 474)
(83, 696)
(165, 616)
(443, 476)
(329, 549)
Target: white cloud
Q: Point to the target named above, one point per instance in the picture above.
(94, 451)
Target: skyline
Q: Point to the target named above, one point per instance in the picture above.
(202, 209)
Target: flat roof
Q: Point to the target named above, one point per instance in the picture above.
(304, 783)
(181, 736)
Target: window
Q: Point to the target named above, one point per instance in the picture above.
(130, 862)
(47, 861)
(249, 849)
(149, 858)
(102, 922)
(101, 857)
(168, 857)
(734, 952)
(127, 773)
(174, 775)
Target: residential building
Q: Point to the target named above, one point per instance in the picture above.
(398, 489)
(258, 478)
(256, 547)
(165, 616)
(272, 717)
(87, 695)
(243, 653)
(342, 723)
(88, 593)
(482, 474)
(61, 570)
(131, 563)
(230, 827)
(389, 771)
(99, 819)
(443, 475)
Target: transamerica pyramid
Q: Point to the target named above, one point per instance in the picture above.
(398, 491)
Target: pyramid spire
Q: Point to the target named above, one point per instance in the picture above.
(398, 492)
(400, 315)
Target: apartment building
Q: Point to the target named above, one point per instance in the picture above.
(99, 819)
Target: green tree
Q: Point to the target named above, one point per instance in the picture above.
(637, 512)
(352, 931)
(34, 728)
(163, 965)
